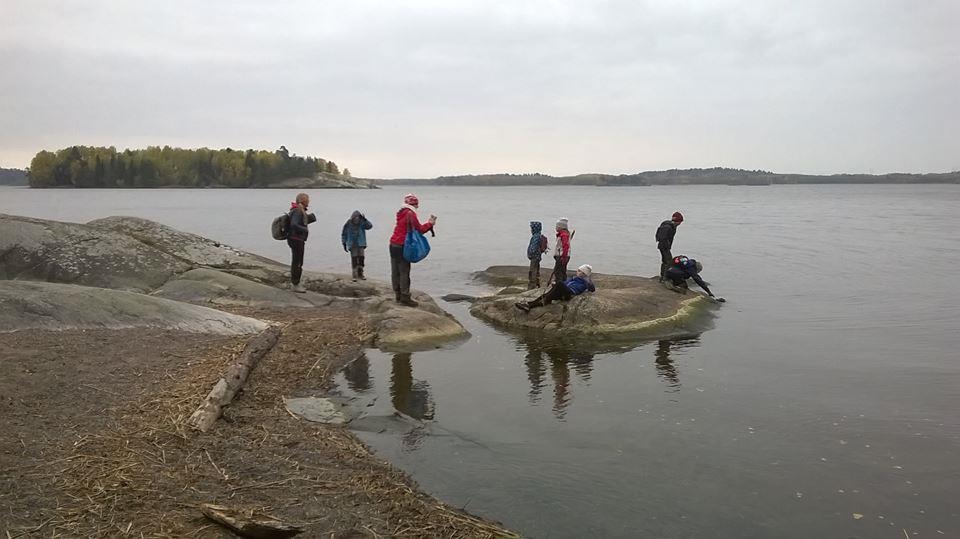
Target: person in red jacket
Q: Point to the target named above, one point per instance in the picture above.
(562, 255)
(399, 266)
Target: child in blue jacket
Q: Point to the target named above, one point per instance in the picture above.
(354, 239)
(535, 249)
(564, 290)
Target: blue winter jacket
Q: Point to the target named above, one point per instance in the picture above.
(355, 235)
(579, 285)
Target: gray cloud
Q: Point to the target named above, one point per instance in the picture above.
(425, 88)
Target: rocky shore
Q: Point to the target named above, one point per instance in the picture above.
(155, 261)
(113, 332)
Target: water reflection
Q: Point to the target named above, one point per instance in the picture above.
(666, 368)
(410, 397)
(357, 373)
(559, 359)
(558, 362)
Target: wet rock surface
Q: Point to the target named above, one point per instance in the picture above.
(329, 410)
(130, 253)
(622, 305)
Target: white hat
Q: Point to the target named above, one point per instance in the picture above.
(587, 269)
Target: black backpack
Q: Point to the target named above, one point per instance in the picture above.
(663, 231)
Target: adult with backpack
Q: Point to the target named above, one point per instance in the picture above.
(665, 233)
(297, 232)
(535, 249)
(354, 239)
(399, 263)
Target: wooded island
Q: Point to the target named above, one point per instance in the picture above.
(155, 166)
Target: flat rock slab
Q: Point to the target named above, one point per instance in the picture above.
(623, 305)
(52, 306)
(329, 410)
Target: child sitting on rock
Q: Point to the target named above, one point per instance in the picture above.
(535, 249)
(563, 290)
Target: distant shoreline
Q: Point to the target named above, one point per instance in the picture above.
(712, 176)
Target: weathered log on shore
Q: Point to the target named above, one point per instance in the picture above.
(250, 524)
(227, 387)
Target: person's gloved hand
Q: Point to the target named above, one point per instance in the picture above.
(345, 248)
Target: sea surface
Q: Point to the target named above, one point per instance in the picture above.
(824, 402)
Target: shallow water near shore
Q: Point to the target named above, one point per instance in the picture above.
(828, 387)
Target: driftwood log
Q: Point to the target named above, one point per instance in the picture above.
(250, 523)
(227, 387)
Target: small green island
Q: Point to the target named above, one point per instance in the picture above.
(155, 166)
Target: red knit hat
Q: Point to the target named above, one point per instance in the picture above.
(411, 199)
(677, 217)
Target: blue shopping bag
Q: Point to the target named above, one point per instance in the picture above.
(415, 246)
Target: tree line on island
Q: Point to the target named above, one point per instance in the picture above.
(13, 176)
(690, 176)
(155, 166)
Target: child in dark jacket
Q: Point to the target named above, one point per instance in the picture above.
(681, 269)
(563, 290)
(535, 249)
(354, 238)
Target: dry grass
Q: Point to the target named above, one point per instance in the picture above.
(143, 472)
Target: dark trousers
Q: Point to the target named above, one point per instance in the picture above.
(399, 272)
(557, 292)
(560, 268)
(533, 276)
(296, 261)
(666, 260)
(357, 260)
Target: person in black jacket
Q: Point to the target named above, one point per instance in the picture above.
(297, 233)
(665, 234)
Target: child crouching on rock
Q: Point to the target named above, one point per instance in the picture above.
(563, 290)
(354, 238)
(681, 269)
(535, 249)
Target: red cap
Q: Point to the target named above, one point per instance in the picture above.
(677, 217)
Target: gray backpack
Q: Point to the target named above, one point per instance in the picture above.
(280, 227)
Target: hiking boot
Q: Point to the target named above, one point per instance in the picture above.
(299, 289)
(408, 301)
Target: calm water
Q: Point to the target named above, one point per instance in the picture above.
(829, 387)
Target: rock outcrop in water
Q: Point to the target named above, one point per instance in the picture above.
(138, 255)
(622, 305)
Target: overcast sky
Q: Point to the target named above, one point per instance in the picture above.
(424, 88)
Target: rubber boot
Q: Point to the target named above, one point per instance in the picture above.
(353, 268)
(360, 274)
(408, 301)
